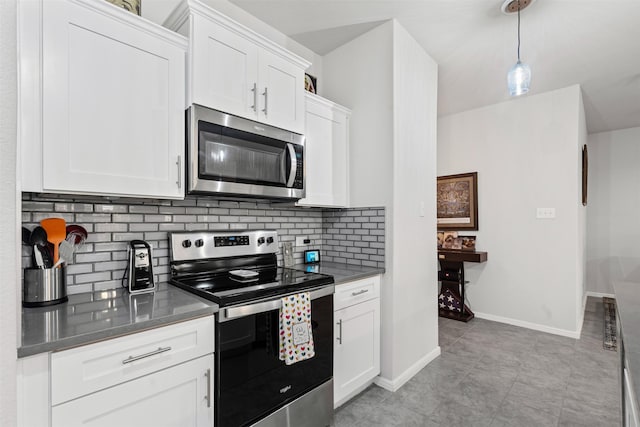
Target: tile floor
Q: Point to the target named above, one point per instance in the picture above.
(492, 374)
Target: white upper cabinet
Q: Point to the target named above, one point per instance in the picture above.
(102, 101)
(235, 70)
(326, 153)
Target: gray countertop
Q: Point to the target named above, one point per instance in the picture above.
(628, 305)
(95, 316)
(341, 272)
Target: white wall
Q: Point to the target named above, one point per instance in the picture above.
(158, 10)
(526, 152)
(390, 83)
(581, 261)
(415, 321)
(9, 246)
(613, 252)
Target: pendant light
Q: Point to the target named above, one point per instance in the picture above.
(519, 76)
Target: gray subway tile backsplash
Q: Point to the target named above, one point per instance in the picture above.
(351, 236)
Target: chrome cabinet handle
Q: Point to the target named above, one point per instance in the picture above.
(142, 356)
(355, 294)
(264, 110)
(179, 164)
(208, 375)
(339, 332)
(254, 107)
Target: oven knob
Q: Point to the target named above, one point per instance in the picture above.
(260, 240)
(269, 240)
(199, 243)
(186, 243)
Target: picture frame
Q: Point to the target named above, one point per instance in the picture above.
(448, 239)
(585, 173)
(457, 201)
(310, 83)
(468, 243)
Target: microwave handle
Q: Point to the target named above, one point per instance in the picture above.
(294, 165)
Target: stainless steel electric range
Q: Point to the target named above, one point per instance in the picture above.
(239, 272)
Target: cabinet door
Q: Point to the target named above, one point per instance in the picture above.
(177, 396)
(326, 154)
(356, 349)
(224, 69)
(113, 103)
(280, 92)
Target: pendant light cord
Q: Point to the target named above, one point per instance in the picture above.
(518, 30)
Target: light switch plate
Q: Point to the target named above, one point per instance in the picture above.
(546, 213)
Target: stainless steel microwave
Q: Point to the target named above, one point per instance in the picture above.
(232, 156)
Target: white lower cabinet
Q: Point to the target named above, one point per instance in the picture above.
(157, 377)
(356, 355)
(177, 396)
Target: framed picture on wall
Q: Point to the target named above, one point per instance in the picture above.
(457, 202)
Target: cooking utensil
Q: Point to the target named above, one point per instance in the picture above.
(38, 239)
(65, 253)
(26, 236)
(56, 229)
(47, 254)
(37, 255)
(79, 232)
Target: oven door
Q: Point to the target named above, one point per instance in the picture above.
(251, 380)
(232, 155)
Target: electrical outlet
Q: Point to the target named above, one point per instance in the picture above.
(287, 253)
(303, 240)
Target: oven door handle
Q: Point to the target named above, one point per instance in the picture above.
(265, 306)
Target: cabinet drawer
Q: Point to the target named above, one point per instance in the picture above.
(357, 291)
(83, 370)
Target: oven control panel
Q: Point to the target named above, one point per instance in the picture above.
(198, 245)
(231, 241)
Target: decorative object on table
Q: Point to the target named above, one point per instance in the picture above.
(310, 83)
(585, 173)
(457, 202)
(468, 243)
(133, 6)
(440, 239)
(519, 76)
(312, 256)
(610, 341)
(457, 244)
(448, 238)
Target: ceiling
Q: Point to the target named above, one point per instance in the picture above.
(595, 43)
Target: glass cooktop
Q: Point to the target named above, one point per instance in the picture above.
(227, 289)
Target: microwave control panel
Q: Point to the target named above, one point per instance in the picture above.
(298, 181)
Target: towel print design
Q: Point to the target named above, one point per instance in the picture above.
(296, 338)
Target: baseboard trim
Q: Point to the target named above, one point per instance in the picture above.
(599, 294)
(529, 325)
(395, 384)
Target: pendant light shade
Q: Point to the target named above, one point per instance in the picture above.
(519, 76)
(519, 79)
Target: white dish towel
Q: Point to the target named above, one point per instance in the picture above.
(296, 338)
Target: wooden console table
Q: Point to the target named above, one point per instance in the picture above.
(451, 275)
